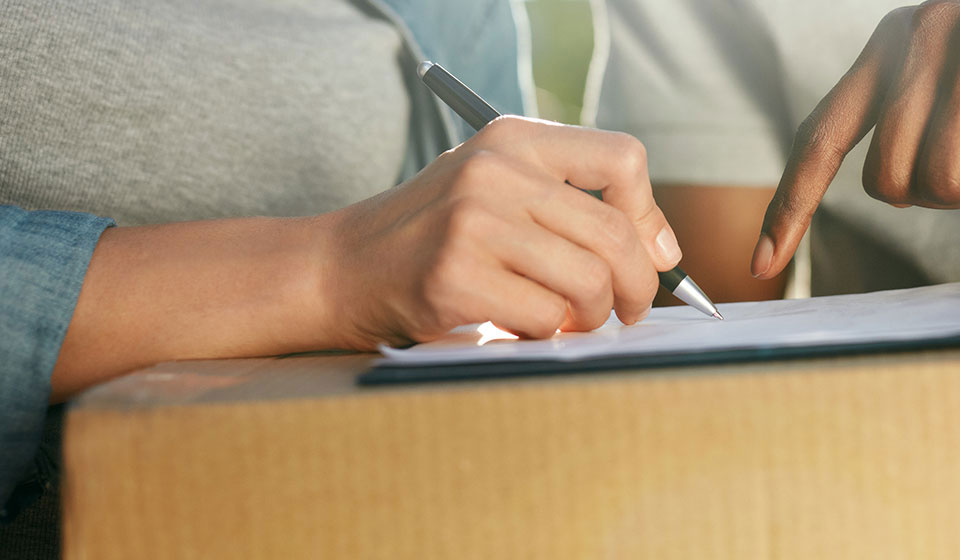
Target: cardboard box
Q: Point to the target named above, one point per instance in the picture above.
(854, 457)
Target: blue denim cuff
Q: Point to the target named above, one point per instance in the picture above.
(44, 257)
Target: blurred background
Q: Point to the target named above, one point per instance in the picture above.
(562, 44)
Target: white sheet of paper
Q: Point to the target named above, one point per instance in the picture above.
(892, 316)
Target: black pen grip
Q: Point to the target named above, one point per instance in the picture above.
(672, 278)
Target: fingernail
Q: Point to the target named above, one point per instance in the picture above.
(762, 256)
(667, 246)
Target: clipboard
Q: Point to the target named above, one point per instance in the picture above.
(889, 321)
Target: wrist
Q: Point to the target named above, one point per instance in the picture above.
(344, 285)
(307, 276)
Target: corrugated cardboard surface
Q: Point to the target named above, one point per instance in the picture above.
(844, 458)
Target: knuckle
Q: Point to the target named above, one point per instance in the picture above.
(940, 186)
(935, 15)
(886, 183)
(797, 206)
(468, 218)
(476, 171)
(618, 232)
(896, 17)
(818, 135)
(633, 154)
(501, 128)
(595, 279)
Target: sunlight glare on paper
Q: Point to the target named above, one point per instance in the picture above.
(489, 332)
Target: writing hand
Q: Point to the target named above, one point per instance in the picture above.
(490, 231)
(906, 82)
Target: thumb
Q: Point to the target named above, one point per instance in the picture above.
(658, 239)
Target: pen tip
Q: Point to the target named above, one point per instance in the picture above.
(423, 67)
(718, 315)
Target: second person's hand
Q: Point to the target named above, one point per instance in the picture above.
(907, 83)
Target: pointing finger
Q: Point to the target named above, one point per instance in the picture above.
(838, 122)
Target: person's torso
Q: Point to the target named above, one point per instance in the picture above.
(162, 111)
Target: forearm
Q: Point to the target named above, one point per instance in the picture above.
(487, 232)
(226, 288)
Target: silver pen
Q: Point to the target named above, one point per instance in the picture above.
(477, 112)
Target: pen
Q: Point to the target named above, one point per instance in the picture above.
(477, 112)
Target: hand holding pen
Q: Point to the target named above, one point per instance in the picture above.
(478, 113)
(490, 231)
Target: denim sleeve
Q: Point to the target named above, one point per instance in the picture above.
(43, 259)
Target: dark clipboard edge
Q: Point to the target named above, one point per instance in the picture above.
(383, 375)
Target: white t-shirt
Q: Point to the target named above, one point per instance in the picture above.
(716, 91)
